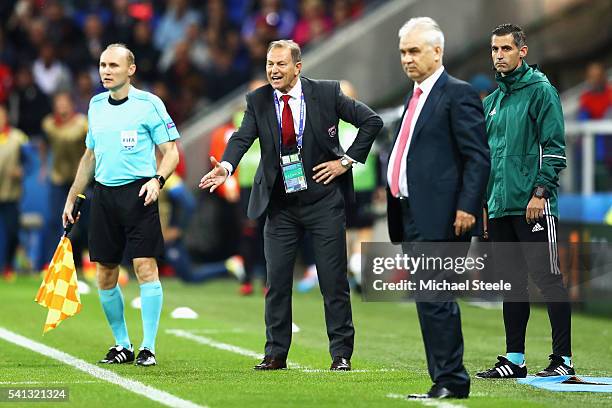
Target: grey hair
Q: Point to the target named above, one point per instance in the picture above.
(296, 52)
(427, 24)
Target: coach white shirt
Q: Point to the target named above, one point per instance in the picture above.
(295, 103)
(426, 87)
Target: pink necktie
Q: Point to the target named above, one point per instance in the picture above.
(404, 137)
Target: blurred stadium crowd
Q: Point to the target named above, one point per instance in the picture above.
(190, 54)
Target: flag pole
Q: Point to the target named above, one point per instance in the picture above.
(58, 291)
(75, 212)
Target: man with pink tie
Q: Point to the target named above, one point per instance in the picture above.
(437, 175)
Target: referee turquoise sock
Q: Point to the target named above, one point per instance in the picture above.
(112, 303)
(516, 358)
(151, 299)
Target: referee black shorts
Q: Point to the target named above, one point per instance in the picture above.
(120, 221)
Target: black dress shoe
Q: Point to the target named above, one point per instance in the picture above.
(340, 364)
(271, 363)
(438, 392)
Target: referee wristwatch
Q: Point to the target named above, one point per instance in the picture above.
(346, 162)
(540, 192)
(161, 179)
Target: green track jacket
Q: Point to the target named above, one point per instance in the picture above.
(527, 141)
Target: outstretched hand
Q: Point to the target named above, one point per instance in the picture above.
(215, 177)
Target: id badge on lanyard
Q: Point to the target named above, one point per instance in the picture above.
(293, 173)
(292, 166)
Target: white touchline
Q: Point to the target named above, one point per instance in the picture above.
(187, 334)
(427, 402)
(364, 370)
(224, 346)
(47, 382)
(131, 385)
(215, 331)
(210, 342)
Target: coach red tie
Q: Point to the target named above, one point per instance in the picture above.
(288, 128)
(403, 139)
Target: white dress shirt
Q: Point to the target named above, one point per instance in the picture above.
(426, 86)
(294, 103)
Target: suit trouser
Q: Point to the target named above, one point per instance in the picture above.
(251, 247)
(440, 327)
(9, 233)
(541, 262)
(287, 220)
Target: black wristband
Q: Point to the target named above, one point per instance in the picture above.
(160, 179)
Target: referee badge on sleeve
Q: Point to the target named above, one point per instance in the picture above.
(129, 138)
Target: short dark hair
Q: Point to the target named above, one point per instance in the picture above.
(520, 39)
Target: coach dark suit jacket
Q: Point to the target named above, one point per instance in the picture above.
(448, 162)
(325, 105)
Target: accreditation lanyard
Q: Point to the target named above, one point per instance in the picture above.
(292, 167)
(300, 133)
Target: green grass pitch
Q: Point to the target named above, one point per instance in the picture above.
(388, 359)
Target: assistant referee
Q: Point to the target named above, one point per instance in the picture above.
(125, 125)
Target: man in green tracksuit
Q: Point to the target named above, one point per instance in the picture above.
(526, 137)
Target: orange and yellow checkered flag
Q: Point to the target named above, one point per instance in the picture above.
(59, 290)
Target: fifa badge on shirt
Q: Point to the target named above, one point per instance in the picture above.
(332, 131)
(129, 138)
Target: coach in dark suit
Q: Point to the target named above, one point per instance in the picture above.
(295, 115)
(437, 175)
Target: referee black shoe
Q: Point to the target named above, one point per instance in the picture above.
(145, 358)
(504, 368)
(118, 355)
(556, 367)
